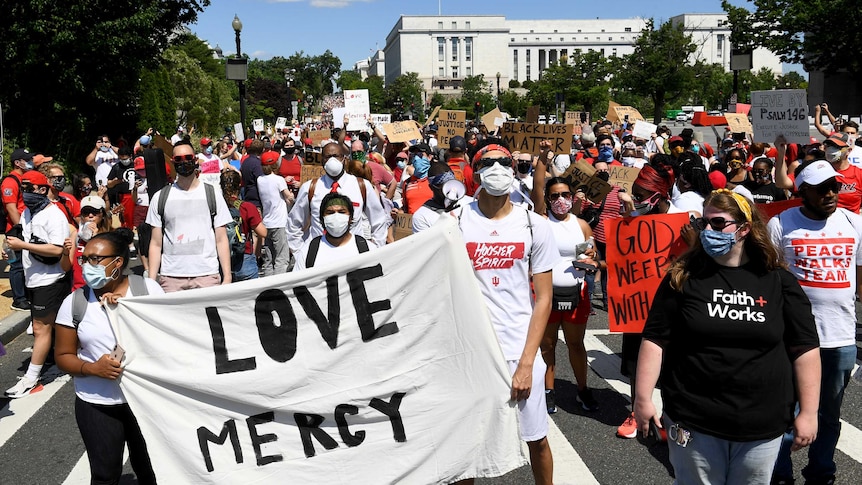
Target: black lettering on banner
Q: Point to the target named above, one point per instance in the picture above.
(349, 439)
(328, 327)
(366, 309)
(259, 439)
(278, 341)
(390, 409)
(223, 363)
(309, 425)
(206, 436)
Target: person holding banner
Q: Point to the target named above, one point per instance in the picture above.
(85, 348)
(337, 242)
(570, 306)
(731, 337)
(505, 242)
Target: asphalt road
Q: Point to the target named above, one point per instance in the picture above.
(40, 444)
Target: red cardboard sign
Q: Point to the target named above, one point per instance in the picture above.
(640, 249)
(772, 209)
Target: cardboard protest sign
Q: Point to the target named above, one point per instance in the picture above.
(772, 209)
(238, 134)
(489, 118)
(257, 124)
(582, 175)
(380, 119)
(318, 136)
(450, 124)
(358, 106)
(525, 137)
(161, 142)
(738, 123)
(402, 131)
(433, 115)
(623, 176)
(639, 251)
(612, 114)
(573, 118)
(780, 112)
(533, 114)
(310, 172)
(644, 129)
(403, 226)
(262, 381)
(280, 122)
(622, 112)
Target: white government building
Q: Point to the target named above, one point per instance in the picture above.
(444, 50)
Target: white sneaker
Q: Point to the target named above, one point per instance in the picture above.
(30, 328)
(24, 387)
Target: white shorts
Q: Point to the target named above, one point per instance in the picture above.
(533, 412)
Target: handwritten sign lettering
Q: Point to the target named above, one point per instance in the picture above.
(525, 137)
(318, 136)
(738, 123)
(402, 131)
(582, 175)
(623, 176)
(780, 112)
(403, 226)
(450, 124)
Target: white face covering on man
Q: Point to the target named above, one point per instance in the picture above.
(336, 224)
(333, 167)
(497, 179)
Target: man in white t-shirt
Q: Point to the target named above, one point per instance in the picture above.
(506, 243)
(189, 246)
(45, 228)
(449, 201)
(102, 158)
(306, 211)
(275, 199)
(823, 247)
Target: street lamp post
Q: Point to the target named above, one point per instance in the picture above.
(240, 80)
(288, 76)
(498, 90)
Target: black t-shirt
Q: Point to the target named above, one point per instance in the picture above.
(122, 172)
(727, 342)
(764, 194)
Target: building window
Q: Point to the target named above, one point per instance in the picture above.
(564, 53)
(440, 25)
(579, 31)
(610, 38)
(515, 64)
(562, 39)
(719, 39)
(603, 30)
(454, 49)
(454, 25)
(469, 71)
(454, 71)
(467, 24)
(531, 31)
(441, 49)
(441, 72)
(628, 29)
(528, 64)
(602, 51)
(614, 52)
(468, 49)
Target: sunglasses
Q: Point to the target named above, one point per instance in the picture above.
(824, 189)
(717, 223)
(565, 195)
(95, 258)
(487, 162)
(184, 158)
(90, 211)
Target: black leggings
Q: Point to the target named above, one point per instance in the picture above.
(104, 429)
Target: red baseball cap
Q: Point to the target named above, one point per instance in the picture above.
(35, 177)
(269, 158)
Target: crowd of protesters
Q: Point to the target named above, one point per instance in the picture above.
(226, 210)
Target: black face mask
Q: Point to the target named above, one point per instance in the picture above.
(603, 176)
(524, 167)
(185, 168)
(289, 150)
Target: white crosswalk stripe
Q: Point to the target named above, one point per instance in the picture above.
(19, 411)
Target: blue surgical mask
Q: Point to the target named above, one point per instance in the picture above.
(606, 153)
(95, 277)
(695, 148)
(401, 164)
(209, 150)
(421, 166)
(717, 243)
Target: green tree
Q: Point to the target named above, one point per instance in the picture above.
(762, 80)
(791, 80)
(374, 85)
(406, 89)
(474, 89)
(658, 67)
(202, 100)
(156, 104)
(71, 69)
(513, 104)
(711, 85)
(582, 81)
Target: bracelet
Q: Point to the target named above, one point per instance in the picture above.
(82, 369)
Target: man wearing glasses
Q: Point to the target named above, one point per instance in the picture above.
(823, 247)
(506, 243)
(102, 154)
(45, 229)
(189, 244)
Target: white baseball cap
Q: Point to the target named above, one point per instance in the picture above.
(816, 173)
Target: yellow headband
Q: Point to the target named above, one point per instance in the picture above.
(740, 202)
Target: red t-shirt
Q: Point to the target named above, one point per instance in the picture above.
(416, 192)
(850, 197)
(380, 177)
(250, 219)
(69, 205)
(291, 167)
(10, 192)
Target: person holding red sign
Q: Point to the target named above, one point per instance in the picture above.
(731, 336)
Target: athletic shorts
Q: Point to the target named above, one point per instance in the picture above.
(533, 412)
(629, 354)
(579, 315)
(46, 300)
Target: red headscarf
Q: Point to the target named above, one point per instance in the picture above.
(655, 181)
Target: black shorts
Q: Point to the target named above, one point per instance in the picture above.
(629, 355)
(46, 300)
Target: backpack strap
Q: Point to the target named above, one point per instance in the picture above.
(80, 299)
(362, 191)
(163, 200)
(313, 247)
(138, 286)
(532, 240)
(361, 244)
(211, 202)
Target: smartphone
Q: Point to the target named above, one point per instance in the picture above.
(119, 353)
(739, 137)
(589, 268)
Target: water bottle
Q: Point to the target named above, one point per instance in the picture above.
(11, 257)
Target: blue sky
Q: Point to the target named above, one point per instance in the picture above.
(352, 29)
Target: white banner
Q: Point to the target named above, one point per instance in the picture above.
(358, 107)
(780, 112)
(644, 130)
(382, 368)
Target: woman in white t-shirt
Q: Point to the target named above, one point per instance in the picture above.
(86, 347)
(337, 242)
(570, 307)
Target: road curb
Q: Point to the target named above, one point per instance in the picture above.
(13, 325)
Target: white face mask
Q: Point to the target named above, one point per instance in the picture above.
(497, 179)
(336, 224)
(833, 154)
(629, 161)
(334, 167)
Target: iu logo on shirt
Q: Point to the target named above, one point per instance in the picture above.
(494, 255)
(495, 280)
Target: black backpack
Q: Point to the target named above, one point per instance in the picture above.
(314, 247)
(137, 287)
